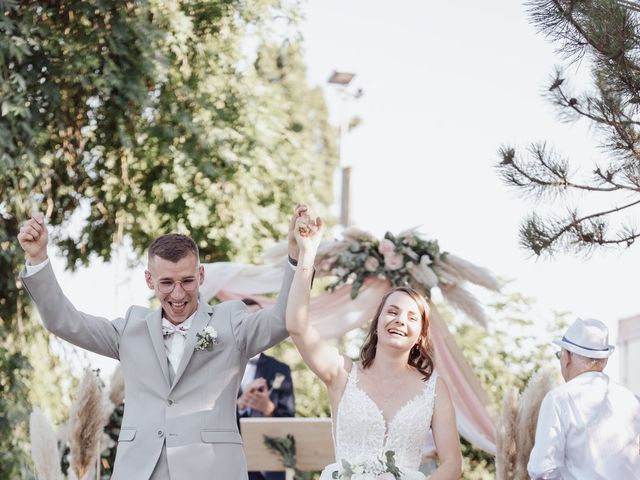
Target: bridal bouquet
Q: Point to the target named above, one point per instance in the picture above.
(375, 469)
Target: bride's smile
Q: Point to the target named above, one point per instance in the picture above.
(400, 322)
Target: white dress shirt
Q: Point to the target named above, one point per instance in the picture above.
(174, 343)
(33, 269)
(588, 429)
(250, 372)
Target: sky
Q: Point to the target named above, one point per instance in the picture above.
(445, 85)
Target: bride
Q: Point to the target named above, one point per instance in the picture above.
(384, 404)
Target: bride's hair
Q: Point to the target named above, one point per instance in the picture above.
(421, 354)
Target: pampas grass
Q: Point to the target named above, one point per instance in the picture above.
(472, 273)
(464, 301)
(86, 423)
(506, 433)
(539, 385)
(516, 430)
(44, 447)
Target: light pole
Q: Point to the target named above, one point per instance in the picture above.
(342, 80)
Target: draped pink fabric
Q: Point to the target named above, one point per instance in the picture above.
(335, 313)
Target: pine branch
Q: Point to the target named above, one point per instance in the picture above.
(635, 6)
(608, 31)
(608, 28)
(543, 176)
(588, 231)
(608, 177)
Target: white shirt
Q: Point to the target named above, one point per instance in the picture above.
(174, 344)
(250, 372)
(33, 269)
(588, 429)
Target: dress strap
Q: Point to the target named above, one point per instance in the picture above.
(431, 384)
(353, 374)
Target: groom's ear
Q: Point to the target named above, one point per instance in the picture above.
(200, 275)
(149, 279)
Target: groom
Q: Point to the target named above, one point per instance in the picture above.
(182, 363)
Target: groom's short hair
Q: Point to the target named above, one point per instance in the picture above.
(173, 247)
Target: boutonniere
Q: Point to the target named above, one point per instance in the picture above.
(277, 381)
(207, 338)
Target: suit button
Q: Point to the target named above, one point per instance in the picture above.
(170, 402)
(160, 433)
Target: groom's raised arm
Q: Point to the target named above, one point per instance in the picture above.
(58, 314)
(256, 332)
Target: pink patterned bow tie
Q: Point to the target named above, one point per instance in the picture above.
(169, 328)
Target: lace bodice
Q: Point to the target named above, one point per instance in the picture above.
(361, 432)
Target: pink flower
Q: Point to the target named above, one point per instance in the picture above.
(393, 261)
(371, 264)
(386, 247)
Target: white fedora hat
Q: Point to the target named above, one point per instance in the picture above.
(589, 338)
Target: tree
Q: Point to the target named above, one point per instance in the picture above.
(606, 33)
(126, 120)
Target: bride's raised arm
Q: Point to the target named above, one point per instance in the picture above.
(323, 359)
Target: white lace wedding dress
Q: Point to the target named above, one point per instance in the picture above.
(361, 434)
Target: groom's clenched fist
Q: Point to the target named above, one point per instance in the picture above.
(33, 238)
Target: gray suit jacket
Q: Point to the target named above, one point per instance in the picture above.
(196, 414)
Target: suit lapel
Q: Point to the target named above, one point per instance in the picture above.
(199, 322)
(154, 324)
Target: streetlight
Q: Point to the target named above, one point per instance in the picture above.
(342, 80)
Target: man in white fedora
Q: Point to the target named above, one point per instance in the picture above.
(588, 428)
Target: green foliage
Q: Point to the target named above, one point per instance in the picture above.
(14, 413)
(285, 447)
(607, 33)
(363, 259)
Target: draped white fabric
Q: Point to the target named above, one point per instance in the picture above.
(335, 313)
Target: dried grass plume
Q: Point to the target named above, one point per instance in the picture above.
(44, 447)
(506, 451)
(86, 422)
(539, 385)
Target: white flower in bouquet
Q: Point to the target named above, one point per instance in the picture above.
(341, 271)
(410, 253)
(412, 475)
(425, 260)
(371, 264)
(393, 261)
(386, 247)
(386, 476)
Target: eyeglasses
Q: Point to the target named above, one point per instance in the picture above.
(558, 354)
(167, 286)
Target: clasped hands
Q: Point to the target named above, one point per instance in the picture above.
(307, 233)
(256, 397)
